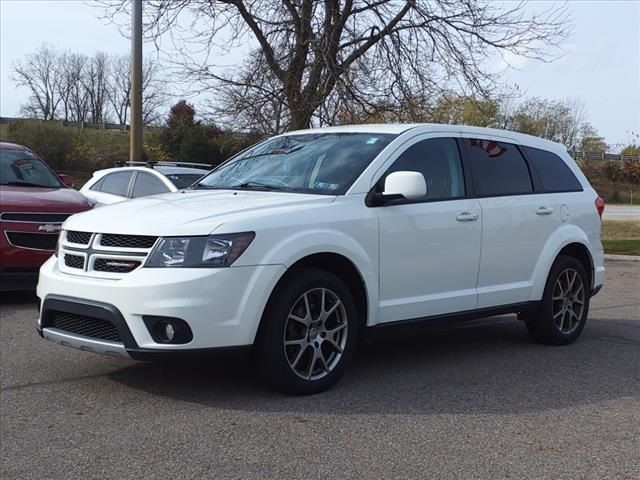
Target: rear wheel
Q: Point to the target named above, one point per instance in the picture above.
(308, 333)
(565, 304)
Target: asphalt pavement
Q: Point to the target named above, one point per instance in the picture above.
(622, 212)
(481, 402)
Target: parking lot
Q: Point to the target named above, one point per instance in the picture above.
(479, 401)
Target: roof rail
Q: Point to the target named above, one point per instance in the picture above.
(124, 163)
(183, 164)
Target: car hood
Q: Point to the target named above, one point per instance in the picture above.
(42, 200)
(190, 212)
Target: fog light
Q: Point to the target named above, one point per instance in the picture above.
(168, 329)
(168, 332)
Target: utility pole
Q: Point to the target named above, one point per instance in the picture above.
(135, 144)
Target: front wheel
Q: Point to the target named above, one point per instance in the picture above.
(308, 333)
(565, 304)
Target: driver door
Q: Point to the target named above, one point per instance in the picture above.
(429, 247)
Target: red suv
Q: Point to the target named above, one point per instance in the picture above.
(34, 202)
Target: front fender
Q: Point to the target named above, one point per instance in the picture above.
(562, 237)
(309, 242)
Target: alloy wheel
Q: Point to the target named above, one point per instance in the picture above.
(568, 301)
(315, 334)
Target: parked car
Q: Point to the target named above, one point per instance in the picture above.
(34, 202)
(114, 185)
(298, 245)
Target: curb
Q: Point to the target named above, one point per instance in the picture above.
(628, 258)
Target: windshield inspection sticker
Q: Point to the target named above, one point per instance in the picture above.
(372, 140)
(325, 186)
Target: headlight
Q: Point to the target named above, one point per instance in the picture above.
(212, 251)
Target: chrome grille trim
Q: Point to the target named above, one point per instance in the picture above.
(17, 239)
(34, 217)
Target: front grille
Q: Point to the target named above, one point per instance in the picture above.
(83, 325)
(127, 241)
(74, 261)
(35, 217)
(81, 238)
(38, 241)
(115, 265)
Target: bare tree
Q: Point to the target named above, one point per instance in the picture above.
(40, 72)
(119, 89)
(94, 81)
(313, 49)
(74, 96)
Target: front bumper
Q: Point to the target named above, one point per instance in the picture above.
(222, 306)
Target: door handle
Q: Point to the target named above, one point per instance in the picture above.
(544, 211)
(467, 217)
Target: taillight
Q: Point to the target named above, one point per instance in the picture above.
(600, 206)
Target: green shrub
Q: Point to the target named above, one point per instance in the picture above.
(53, 143)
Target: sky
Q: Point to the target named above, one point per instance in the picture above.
(601, 66)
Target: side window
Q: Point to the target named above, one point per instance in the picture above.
(96, 187)
(439, 161)
(556, 176)
(147, 184)
(116, 183)
(498, 168)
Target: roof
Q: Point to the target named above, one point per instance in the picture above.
(163, 170)
(12, 146)
(399, 128)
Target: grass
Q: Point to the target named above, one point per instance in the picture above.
(621, 237)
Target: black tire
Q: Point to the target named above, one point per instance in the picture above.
(274, 360)
(547, 325)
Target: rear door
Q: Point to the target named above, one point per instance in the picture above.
(516, 220)
(430, 247)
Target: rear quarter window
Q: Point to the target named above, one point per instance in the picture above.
(555, 174)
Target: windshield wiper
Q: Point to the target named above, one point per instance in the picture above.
(200, 185)
(27, 184)
(257, 185)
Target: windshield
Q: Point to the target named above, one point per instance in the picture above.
(23, 168)
(322, 163)
(183, 180)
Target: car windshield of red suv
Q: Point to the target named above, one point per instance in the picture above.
(22, 168)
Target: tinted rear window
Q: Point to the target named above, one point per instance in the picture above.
(184, 180)
(147, 184)
(116, 183)
(498, 168)
(556, 176)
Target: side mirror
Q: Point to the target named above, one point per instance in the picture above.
(66, 179)
(399, 186)
(409, 185)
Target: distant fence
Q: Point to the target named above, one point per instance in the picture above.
(66, 123)
(604, 157)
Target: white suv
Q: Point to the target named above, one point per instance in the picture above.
(300, 243)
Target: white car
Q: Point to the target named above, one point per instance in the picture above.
(300, 243)
(114, 185)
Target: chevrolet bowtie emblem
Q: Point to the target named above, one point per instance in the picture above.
(49, 228)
